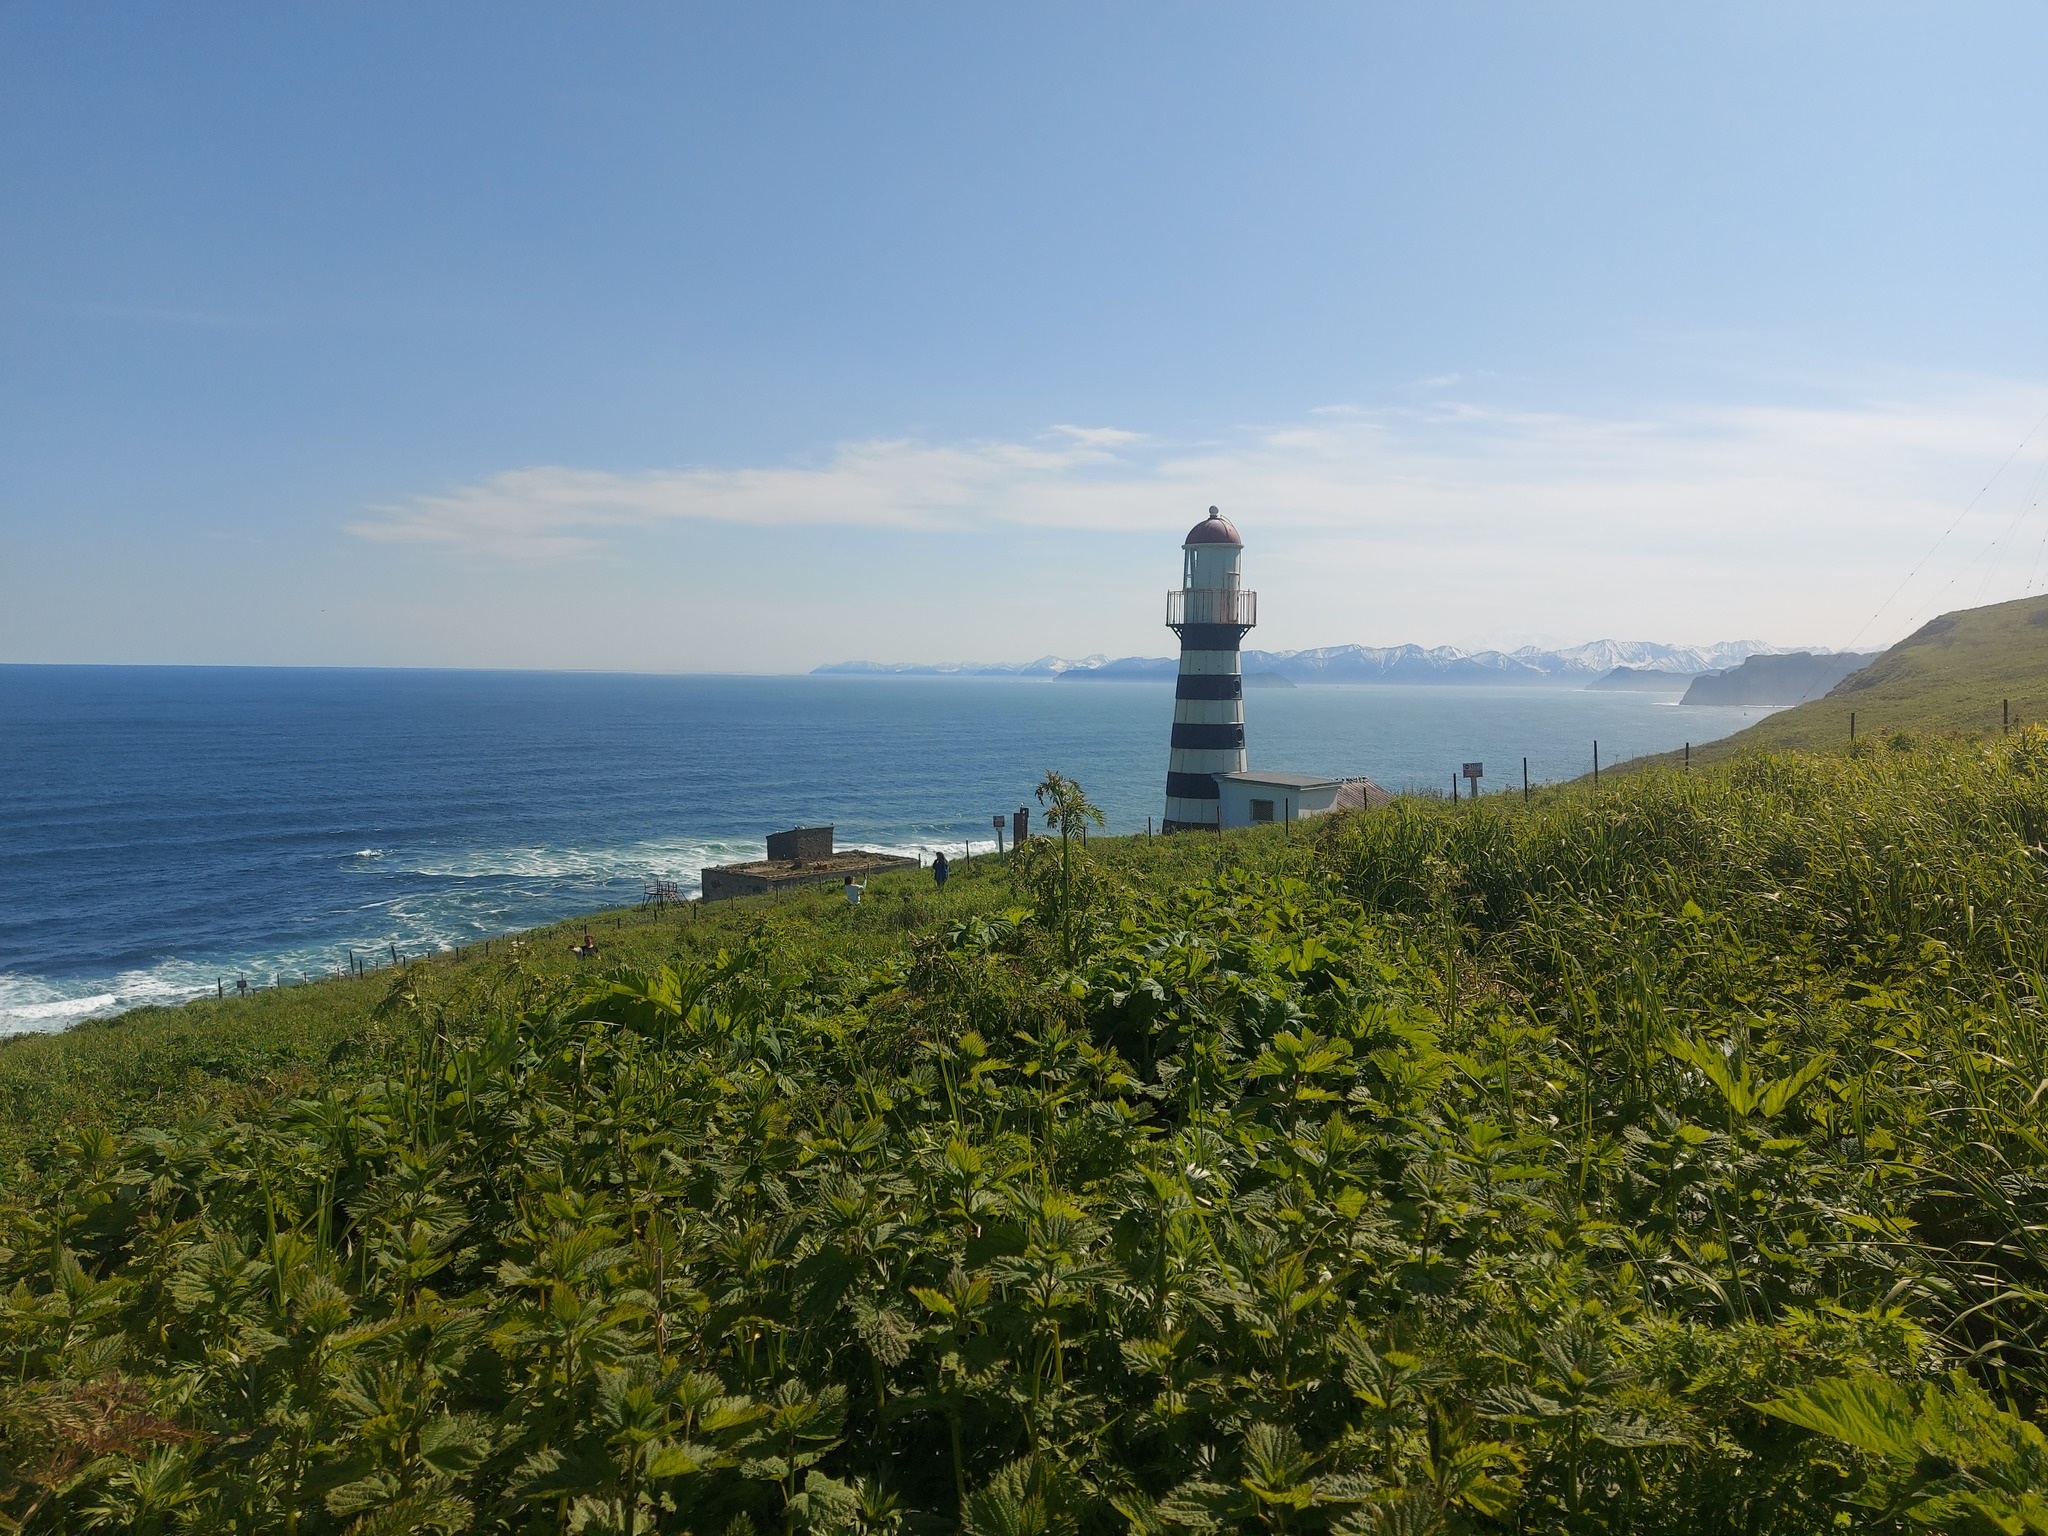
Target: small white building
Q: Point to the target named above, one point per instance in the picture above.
(1249, 799)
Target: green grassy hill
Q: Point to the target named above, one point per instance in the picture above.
(1674, 1161)
(1950, 676)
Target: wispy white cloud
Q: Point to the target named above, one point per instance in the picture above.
(1719, 485)
(1098, 437)
(550, 510)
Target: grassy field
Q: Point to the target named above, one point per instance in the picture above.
(157, 1062)
(1952, 676)
(1671, 1161)
(154, 1064)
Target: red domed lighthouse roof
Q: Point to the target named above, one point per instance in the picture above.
(1213, 529)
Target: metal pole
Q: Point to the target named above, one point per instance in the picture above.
(1596, 767)
(1852, 727)
(1525, 781)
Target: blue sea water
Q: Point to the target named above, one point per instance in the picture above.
(164, 828)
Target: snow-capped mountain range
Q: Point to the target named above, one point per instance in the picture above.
(1573, 665)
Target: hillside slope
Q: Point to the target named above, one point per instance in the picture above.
(1950, 675)
(1597, 1166)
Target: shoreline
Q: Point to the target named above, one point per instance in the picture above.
(620, 931)
(399, 841)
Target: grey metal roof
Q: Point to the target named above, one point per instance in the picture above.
(1284, 780)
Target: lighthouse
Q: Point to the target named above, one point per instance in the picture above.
(1210, 612)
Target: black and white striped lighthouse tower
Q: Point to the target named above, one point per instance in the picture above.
(1210, 612)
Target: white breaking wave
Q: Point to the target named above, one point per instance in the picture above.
(545, 885)
(36, 1003)
(681, 860)
(925, 852)
(678, 859)
(64, 1007)
(32, 1003)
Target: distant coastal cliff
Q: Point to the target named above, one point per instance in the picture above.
(1642, 680)
(1790, 678)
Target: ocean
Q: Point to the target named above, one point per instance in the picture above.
(167, 829)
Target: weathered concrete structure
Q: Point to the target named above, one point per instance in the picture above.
(801, 856)
(800, 843)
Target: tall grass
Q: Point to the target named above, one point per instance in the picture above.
(1885, 914)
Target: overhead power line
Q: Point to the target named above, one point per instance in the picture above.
(1968, 507)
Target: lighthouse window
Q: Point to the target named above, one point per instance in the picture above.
(1262, 810)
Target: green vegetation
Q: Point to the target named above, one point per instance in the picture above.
(1949, 677)
(153, 1063)
(1675, 1161)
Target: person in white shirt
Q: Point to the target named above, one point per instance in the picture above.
(853, 889)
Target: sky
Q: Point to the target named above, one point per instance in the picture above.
(748, 338)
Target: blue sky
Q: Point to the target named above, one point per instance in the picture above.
(746, 338)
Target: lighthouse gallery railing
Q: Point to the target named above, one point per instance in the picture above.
(1211, 605)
